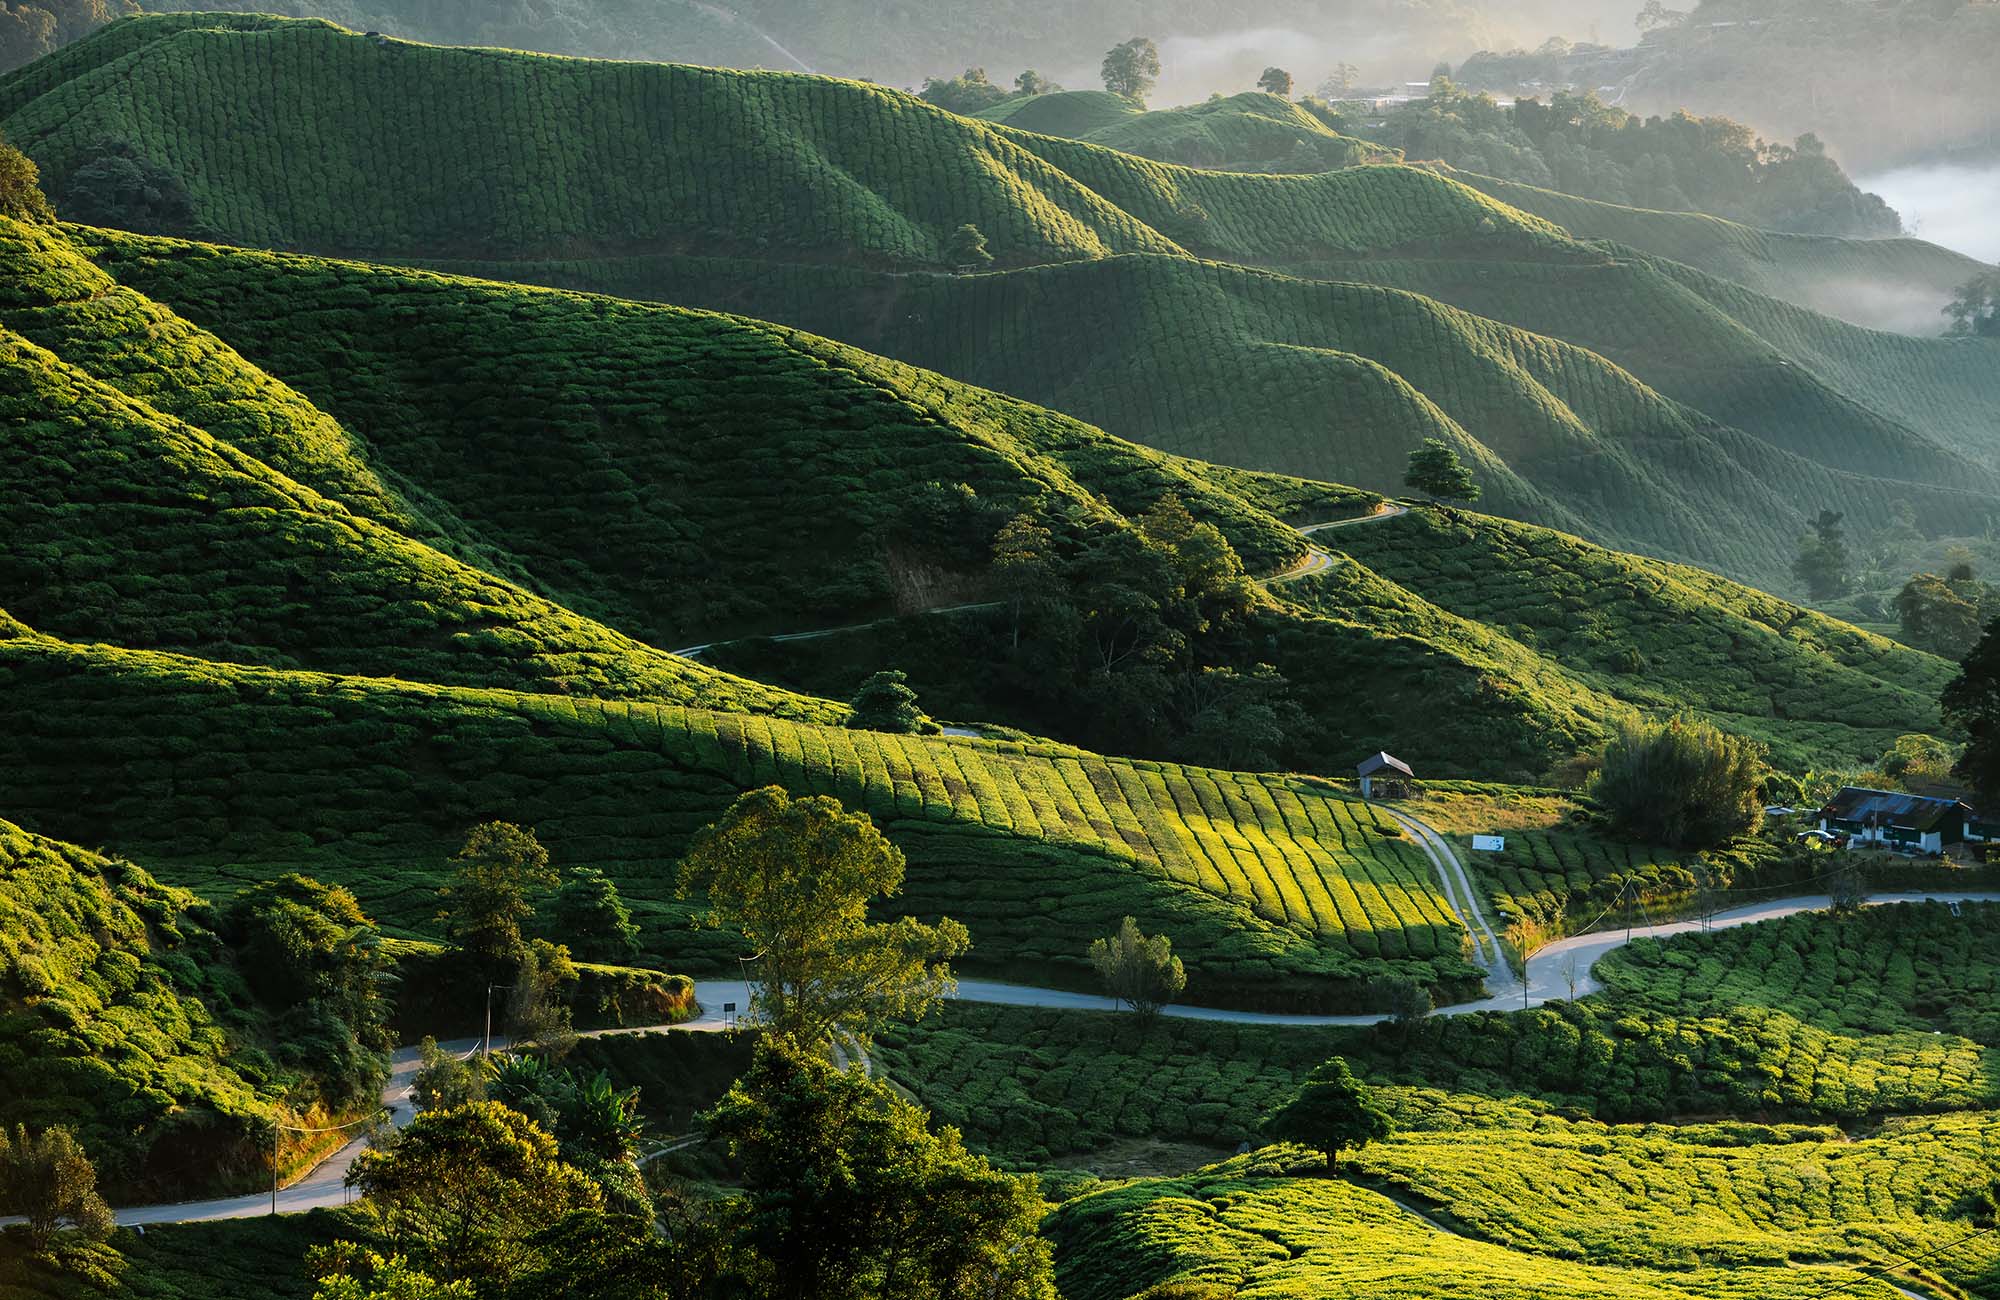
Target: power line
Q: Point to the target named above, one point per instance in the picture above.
(1853, 1282)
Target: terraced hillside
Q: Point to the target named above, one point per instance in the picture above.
(824, 225)
(1262, 880)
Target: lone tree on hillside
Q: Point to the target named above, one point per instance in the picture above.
(1682, 782)
(970, 92)
(967, 247)
(1276, 81)
(885, 702)
(487, 899)
(1032, 82)
(1822, 563)
(1975, 311)
(20, 186)
(47, 1179)
(1436, 471)
(1332, 1113)
(1943, 615)
(1132, 69)
(795, 876)
(1971, 702)
(1142, 973)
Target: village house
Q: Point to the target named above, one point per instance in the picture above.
(1907, 823)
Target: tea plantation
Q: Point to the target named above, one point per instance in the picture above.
(1259, 1226)
(1279, 890)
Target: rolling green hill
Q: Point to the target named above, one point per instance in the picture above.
(781, 196)
(1277, 889)
(1252, 131)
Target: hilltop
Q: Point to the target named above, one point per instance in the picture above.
(1253, 131)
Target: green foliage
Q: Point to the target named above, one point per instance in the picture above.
(314, 958)
(967, 247)
(1332, 1113)
(1579, 145)
(1971, 703)
(1975, 310)
(796, 877)
(1275, 81)
(445, 1080)
(1945, 616)
(1436, 471)
(1823, 566)
(116, 185)
(347, 1272)
(586, 914)
(499, 867)
(1140, 972)
(886, 703)
(46, 1178)
(1683, 782)
(1132, 68)
(967, 93)
(848, 1194)
(31, 28)
(20, 186)
(462, 1189)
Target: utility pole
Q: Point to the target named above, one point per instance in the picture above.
(277, 1136)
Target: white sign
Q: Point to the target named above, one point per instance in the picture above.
(1489, 843)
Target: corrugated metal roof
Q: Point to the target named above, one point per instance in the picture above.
(1382, 763)
(1890, 808)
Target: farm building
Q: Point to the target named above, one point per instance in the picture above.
(1384, 776)
(1912, 823)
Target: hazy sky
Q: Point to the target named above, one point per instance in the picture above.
(1947, 204)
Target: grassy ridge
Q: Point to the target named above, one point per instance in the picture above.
(1254, 1226)
(1277, 889)
(1252, 131)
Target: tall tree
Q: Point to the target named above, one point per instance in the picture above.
(967, 248)
(1942, 616)
(1141, 972)
(1339, 83)
(1971, 703)
(489, 896)
(1436, 471)
(849, 1195)
(796, 876)
(1132, 69)
(1032, 82)
(1276, 81)
(1823, 565)
(1332, 1113)
(463, 1189)
(586, 914)
(1683, 782)
(46, 1178)
(1024, 568)
(20, 185)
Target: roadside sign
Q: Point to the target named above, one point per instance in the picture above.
(1489, 843)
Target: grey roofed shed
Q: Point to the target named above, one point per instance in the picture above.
(1385, 767)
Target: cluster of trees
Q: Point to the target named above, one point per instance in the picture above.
(973, 92)
(1580, 145)
(315, 960)
(1139, 971)
(1975, 311)
(1683, 783)
(515, 1180)
(31, 28)
(1946, 613)
(1823, 565)
(1140, 639)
